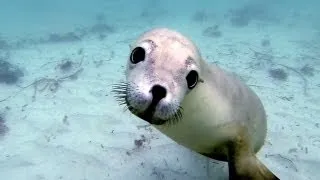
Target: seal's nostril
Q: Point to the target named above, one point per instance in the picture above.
(158, 92)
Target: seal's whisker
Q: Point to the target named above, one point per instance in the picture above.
(120, 96)
(125, 108)
(180, 110)
(122, 102)
(176, 114)
(120, 91)
(120, 85)
(121, 99)
(172, 117)
(175, 119)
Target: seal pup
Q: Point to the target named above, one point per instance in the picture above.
(196, 104)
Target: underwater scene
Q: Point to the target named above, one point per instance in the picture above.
(159, 90)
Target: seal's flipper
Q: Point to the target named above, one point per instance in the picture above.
(250, 169)
(243, 163)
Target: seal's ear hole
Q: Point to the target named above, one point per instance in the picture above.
(137, 55)
(192, 79)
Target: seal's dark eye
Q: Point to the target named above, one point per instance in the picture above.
(137, 55)
(192, 79)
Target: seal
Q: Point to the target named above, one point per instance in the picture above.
(196, 104)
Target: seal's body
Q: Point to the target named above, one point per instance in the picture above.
(213, 112)
(198, 105)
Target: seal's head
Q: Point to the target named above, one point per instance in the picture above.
(163, 67)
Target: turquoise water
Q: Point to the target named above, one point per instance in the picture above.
(59, 59)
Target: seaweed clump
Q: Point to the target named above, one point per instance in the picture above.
(265, 42)
(3, 127)
(9, 74)
(66, 37)
(200, 16)
(278, 74)
(102, 28)
(307, 70)
(4, 44)
(66, 65)
(212, 31)
(242, 16)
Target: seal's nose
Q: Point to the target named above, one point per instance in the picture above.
(158, 92)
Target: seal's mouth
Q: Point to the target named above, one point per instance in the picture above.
(148, 114)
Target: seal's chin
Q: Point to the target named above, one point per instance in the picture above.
(151, 116)
(149, 113)
(150, 119)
